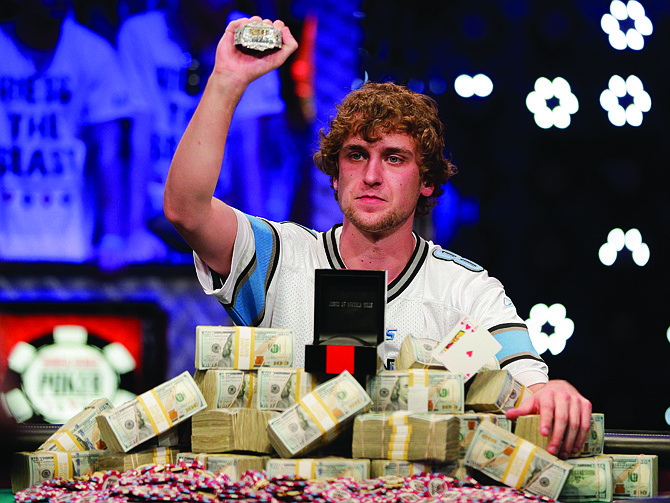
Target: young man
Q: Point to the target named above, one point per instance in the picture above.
(384, 156)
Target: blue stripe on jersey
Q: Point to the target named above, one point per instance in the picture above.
(514, 342)
(248, 307)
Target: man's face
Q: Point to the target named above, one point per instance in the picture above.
(379, 183)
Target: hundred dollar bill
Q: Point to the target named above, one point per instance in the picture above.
(227, 430)
(320, 469)
(151, 413)
(528, 427)
(417, 353)
(317, 418)
(31, 468)
(635, 476)
(126, 461)
(417, 390)
(516, 462)
(225, 389)
(400, 468)
(243, 348)
(81, 432)
(279, 389)
(404, 435)
(589, 480)
(495, 391)
(233, 465)
(469, 422)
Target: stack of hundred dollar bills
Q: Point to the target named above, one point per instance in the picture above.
(317, 418)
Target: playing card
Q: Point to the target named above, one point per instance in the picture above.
(466, 348)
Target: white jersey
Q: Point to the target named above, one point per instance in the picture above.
(271, 284)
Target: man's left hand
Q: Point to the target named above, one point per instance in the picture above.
(559, 404)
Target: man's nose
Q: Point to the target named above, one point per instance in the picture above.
(373, 171)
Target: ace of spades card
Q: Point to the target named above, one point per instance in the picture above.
(466, 348)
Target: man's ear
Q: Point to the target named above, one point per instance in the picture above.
(427, 190)
(333, 182)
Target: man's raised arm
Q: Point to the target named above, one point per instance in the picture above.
(207, 224)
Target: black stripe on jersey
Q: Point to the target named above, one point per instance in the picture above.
(410, 271)
(271, 272)
(244, 276)
(507, 326)
(519, 356)
(331, 248)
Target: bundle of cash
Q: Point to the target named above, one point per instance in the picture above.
(279, 389)
(635, 476)
(400, 468)
(81, 432)
(243, 348)
(528, 427)
(151, 413)
(317, 418)
(121, 461)
(320, 469)
(469, 422)
(31, 468)
(589, 480)
(233, 465)
(416, 390)
(495, 391)
(516, 462)
(226, 430)
(225, 389)
(417, 353)
(410, 436)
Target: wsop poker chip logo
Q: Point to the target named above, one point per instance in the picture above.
(54, 377)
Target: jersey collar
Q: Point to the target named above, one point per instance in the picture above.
(331, 243)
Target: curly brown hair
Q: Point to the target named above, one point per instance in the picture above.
(376, 109)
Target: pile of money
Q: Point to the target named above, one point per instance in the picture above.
(225, 389)
(400, 468)
(121, 462)
(233, 465)
(589, 480)
(243, 348)
(31, 468)
(279, 389)
(320, 469)
(317, 419)
(528, 427)
(151, 413)
(416, 353)
(495, 391)
(516, 462)
(227, 430)
(635, 476)
(469, 422)
(410, 436)
(81, 432)
(416, 390)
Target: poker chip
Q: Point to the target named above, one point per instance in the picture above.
(192, 482)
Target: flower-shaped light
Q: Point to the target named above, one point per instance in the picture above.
(631, 14)
(556, 316)
(619, 88)
(557, 90)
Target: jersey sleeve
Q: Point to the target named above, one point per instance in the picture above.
(488, 304)
(244, 292)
